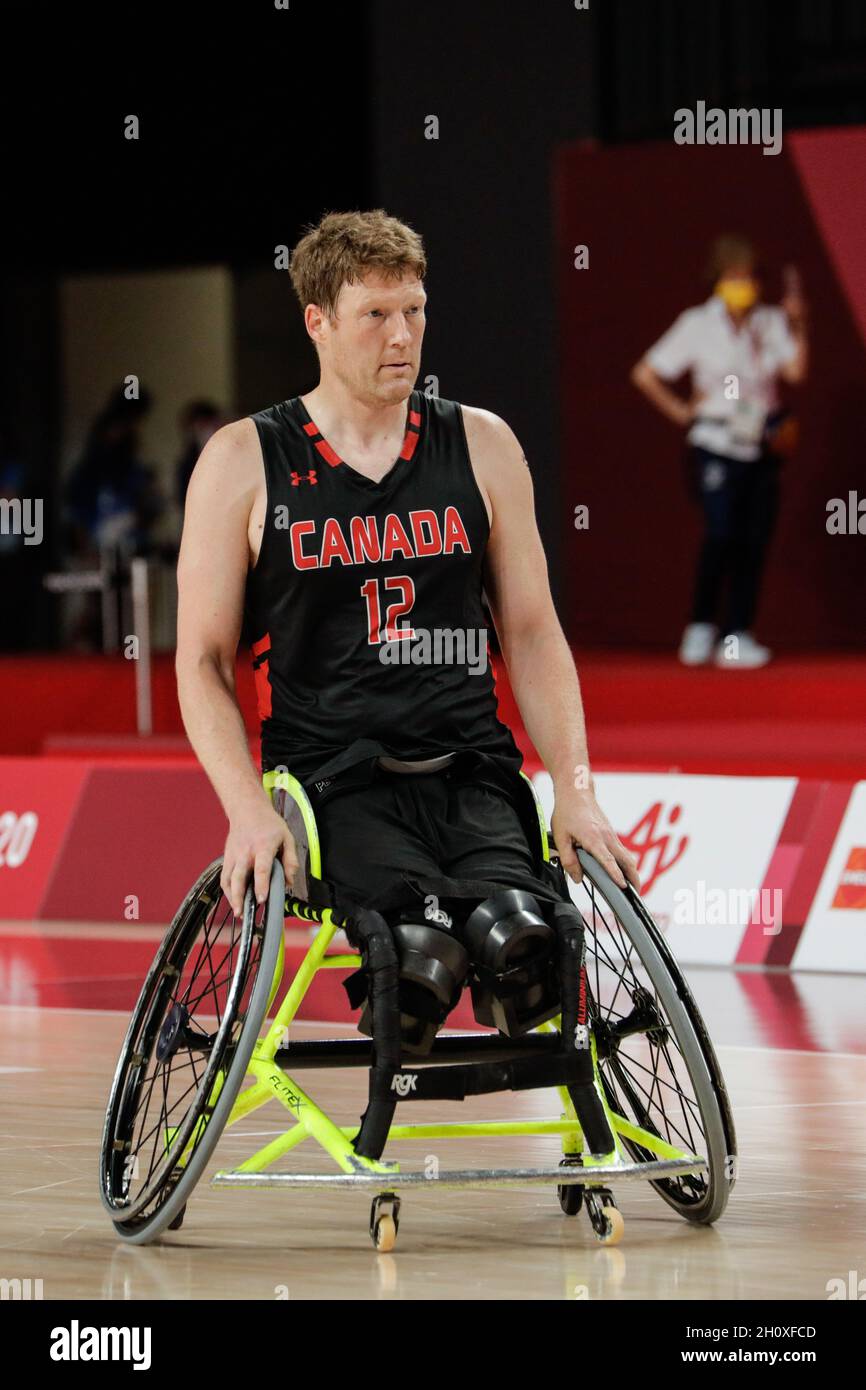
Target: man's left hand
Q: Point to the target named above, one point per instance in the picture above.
(579, 820)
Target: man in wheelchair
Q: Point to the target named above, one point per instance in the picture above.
(354, 526)
(366, 530)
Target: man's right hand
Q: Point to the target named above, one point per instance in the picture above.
(257, 836)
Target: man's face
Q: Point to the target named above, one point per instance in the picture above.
(373, 344)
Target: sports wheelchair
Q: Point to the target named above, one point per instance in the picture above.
(590, 1002)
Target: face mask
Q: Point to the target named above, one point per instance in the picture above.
(737, 295)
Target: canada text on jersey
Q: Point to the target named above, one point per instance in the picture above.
(369, 541)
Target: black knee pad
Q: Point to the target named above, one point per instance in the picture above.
(514, 983)
(433, 970)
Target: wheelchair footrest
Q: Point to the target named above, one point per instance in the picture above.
(470, 1177)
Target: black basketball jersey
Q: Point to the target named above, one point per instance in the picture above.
(356, 589)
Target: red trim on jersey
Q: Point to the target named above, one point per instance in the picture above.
(413, 434)
(327, 452)
(263, 690)
(410, 439)
(324, 448)
(261, 650)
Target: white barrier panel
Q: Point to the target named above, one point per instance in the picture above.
(834, 937)
(703, 846)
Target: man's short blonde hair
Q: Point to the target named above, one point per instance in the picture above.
(344, 246)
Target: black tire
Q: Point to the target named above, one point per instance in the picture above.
(665, 1075)
(570, 1195)
(166, 1023)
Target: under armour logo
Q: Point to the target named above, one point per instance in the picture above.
(298, 478)
(405, 1083)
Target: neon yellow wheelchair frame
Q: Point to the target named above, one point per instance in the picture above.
(271, 1081)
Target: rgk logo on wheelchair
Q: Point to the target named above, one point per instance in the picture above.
(404, 1083)
(583, 996)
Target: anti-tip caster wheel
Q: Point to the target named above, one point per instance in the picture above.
(570, 1194)
(614, 1228)
(385, 1221)
(385, 1237)
(605, 1216)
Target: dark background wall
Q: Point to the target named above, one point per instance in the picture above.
(507, 83)
(656, 55)
(255, 121)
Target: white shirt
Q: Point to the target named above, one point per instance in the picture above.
(735, 370)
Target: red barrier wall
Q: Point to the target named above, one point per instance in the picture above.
(801, 715)
(107, 833)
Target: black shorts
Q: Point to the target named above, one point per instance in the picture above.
(389, 840)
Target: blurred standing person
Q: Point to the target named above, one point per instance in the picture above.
(735, 349)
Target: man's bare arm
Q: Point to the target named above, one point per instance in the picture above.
(540, 664)
(212, 569)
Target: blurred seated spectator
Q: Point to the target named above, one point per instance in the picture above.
(197, 422)
(112, 504)
(19, 563)
(112, 497)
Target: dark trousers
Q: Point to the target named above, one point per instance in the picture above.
(390, 840)
(740, 502)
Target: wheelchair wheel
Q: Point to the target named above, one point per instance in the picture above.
(186, 1052)
(656, 1061)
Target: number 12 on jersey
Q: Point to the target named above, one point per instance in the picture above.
(394, 610)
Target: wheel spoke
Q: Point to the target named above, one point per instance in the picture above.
(168, 1092)
(645, 1072)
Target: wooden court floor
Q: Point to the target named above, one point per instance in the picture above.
(796, 1219)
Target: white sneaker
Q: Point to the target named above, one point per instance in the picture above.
(740, 651)
(696, 646)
